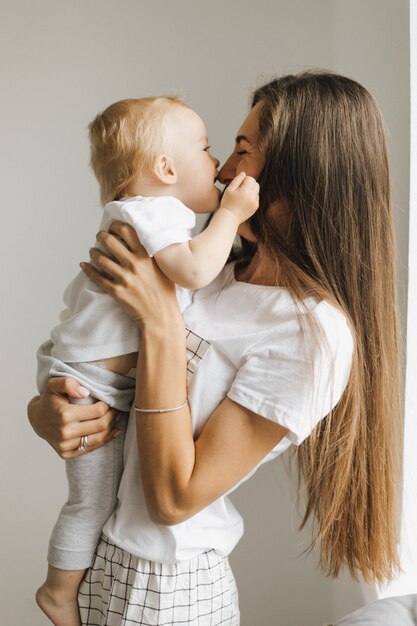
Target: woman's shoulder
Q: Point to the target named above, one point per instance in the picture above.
(265, 319)
(333, 323)
(328, 341)
(306, 331)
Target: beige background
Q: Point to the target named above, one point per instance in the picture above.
(60, 63)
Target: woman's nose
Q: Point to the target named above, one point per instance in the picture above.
(227, 172)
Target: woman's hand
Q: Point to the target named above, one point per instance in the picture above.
(63, 424)
(132, 278)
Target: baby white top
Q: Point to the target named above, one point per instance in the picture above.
(93, 325)
(250, 343)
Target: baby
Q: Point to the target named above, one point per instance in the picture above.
(152, 162)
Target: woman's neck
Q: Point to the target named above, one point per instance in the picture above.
(261, 270)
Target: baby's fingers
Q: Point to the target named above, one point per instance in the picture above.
(249, 187)
(250, 182)
(237, 182)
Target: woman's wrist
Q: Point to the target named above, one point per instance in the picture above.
(162, 350)
(168, 323)
(164, 320)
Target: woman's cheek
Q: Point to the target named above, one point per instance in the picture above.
(252, 165)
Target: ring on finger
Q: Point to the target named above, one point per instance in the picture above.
(83, 443)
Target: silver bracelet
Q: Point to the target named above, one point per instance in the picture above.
(175, 408)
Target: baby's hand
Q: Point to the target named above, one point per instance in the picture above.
(241, 197)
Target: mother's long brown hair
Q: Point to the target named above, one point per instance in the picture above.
(326, 157)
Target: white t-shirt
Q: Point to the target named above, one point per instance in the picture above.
(245, 342)
(93, 325)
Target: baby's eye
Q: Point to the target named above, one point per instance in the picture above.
(207, 148)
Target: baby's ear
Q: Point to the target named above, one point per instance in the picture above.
(164, 169)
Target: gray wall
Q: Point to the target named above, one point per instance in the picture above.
(60, 63)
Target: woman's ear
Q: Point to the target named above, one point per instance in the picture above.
(164, 170)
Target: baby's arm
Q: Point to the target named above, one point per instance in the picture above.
(197, 262)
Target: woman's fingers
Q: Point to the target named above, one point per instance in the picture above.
(127, 234)
(66, 386)
(122, 256)
(131, 277)
(95, 412)
(106, 284)
(69, 449)
(126, 251)
(96, 429)
(114, 245)
(105, 264)
(78, 421)
(71, 418)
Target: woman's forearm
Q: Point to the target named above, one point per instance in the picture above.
(165, 440)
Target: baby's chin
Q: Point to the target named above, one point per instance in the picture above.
(210, 203)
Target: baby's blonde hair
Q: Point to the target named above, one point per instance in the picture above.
(125, 139)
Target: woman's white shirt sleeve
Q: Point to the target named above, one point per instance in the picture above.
(296, 379)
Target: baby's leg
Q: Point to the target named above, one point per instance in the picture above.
(57, 597)
(93, 481)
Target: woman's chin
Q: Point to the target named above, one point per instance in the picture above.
(245, 232)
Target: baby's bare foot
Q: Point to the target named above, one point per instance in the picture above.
(60, 610)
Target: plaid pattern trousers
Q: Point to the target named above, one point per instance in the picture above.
(125, 590)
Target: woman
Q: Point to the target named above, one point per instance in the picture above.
(296, 342)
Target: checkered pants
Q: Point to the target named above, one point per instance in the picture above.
(122, 590)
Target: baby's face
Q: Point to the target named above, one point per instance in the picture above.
(196, 169)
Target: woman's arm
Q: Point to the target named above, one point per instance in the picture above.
(180, 476)
(197, 262)
(62, 424)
